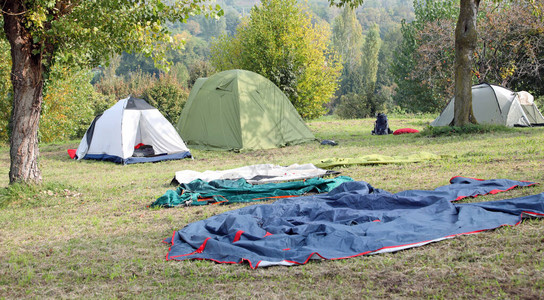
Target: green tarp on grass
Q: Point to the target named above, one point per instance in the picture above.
(376, 159)
(199, 192)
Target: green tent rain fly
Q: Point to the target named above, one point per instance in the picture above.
(240, 110)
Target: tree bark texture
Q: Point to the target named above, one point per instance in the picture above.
(27, 81)
(465, 44)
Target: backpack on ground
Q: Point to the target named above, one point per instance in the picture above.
(381, 126)
(144, 151)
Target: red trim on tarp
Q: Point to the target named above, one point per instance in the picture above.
(356, 255)
(493, 192)
(466, 177)
(201, 248)
(237, 236)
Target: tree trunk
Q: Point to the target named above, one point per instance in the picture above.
(27, 81)
(465, 44)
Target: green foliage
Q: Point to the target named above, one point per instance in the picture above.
(363, 81)
(347, 38)
(348, 41)
(412, 93)
(163, 92)
(187, 50)
(119, 87)
(67, 107)
(342, 3)
(353, 106)
(6, 91)
(199, 69)
(181, 73)
(364, 105)
(508, 52)
(438, 131)
(88, 32)
(168, 96)
(211, 27)
(369, 61)
(279, 41)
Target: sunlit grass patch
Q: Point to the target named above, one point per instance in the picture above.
(432, 131)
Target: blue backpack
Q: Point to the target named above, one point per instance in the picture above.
(381, 126)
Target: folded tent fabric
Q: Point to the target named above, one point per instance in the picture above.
(254, 174)
(199, 192)
(375, 159)
(352, 220)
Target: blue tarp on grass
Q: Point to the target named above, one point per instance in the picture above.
(352, 220)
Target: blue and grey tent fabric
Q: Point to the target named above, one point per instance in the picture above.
(199, 192)
(130, 122)
(352, 220)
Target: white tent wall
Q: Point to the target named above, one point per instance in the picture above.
(516, 115)
(110, 121)
(534, 115)
(129, 133)
(486, 107)
(446, 117)
(159, 134)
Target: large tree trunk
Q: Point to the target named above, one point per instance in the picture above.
(27, 80)
(465, 44)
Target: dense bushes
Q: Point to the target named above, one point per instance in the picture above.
(164, 92)
(5, 90)
(67, 108)
(70, 101)
(168, 96)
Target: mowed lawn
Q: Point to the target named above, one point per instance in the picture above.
(87, 231)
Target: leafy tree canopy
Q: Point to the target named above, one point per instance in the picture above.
(87, 32)
(342, 3)
(279, 41)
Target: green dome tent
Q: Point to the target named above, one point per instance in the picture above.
(240, 110)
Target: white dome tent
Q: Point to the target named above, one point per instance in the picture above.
(113, 135)
(493, 104)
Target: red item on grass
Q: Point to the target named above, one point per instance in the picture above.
(72, 153)
(405, 130)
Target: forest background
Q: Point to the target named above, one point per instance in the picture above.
(393, 56)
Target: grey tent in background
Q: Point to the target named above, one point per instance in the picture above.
(493, 104)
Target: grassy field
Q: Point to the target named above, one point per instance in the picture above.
(86, 232)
